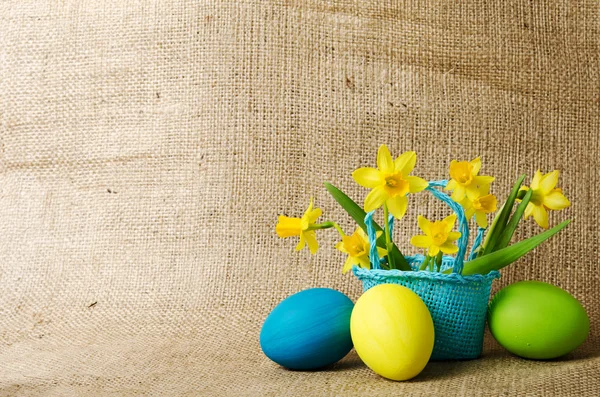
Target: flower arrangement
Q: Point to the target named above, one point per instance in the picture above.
(432, 305)
(391, 185)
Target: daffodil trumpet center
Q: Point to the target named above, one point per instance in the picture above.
(355, 247)
(440, 238)
(462, 173)
(396, 185)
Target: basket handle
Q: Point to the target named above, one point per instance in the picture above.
(371, 232)
(463, 224)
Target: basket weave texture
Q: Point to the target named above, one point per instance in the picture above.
(458, 304)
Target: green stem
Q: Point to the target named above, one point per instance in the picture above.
(326, 225)
(438, 261)
(425, 262)
(388, 238)
(339, 229)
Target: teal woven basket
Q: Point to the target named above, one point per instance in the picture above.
(458, 304)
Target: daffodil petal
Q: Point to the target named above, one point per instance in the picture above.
(448, 248)
(541, 216)
(314, 215)
(481, 219)
(469, 212)
(451, 185)
(484, 190)
(549, 182)
(397, 206)
(340, 247)
(364, 262)
(424, 224)
(537, 178)
(405, 163)
(472, 192)
(453, 236)
(381, 252)
(301, 243)
(375, 198)
(368, 177)
(311, 240)
(288, 227)
(348, 264)
(476, 163)
(421, 241)
(459, 193)
(384, 160)
(305, 220)
(483, 180)
(529, 210)
(416, 184)
(555, 200)
(362, 233)
(433, 250)
(449, 221)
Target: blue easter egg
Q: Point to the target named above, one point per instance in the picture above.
(308, 330)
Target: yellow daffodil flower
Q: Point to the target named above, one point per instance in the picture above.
(390, 181)
(357, 247)
(545, 196)
(288, 227)
(438, 236)
(465, 181)
(480, 207)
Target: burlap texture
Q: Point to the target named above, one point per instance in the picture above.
(147, 148)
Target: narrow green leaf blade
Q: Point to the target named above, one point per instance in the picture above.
(500, 224)
(505, 256)
(513, 223)
(358, 214)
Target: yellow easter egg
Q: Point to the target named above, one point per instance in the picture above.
(392, 331)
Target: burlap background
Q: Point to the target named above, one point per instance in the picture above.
(147, 148)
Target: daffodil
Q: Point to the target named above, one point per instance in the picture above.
(357, 247)
(545, 196)
(390, 181)
(303, 227)
(465, 181)
(484, 204)
(438, 236)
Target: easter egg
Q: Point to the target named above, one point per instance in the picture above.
(392, 331)
(308, 330)
(537, 320)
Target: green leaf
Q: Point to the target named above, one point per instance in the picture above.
(358, 214)
(514, 222)
(505, 256)
(500, 222)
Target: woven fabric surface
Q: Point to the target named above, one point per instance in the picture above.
(147, 147)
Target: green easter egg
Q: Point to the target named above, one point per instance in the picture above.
(537, 320)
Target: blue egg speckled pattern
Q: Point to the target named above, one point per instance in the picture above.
(308, 330)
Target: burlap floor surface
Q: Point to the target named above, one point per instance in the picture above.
(147, 147)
